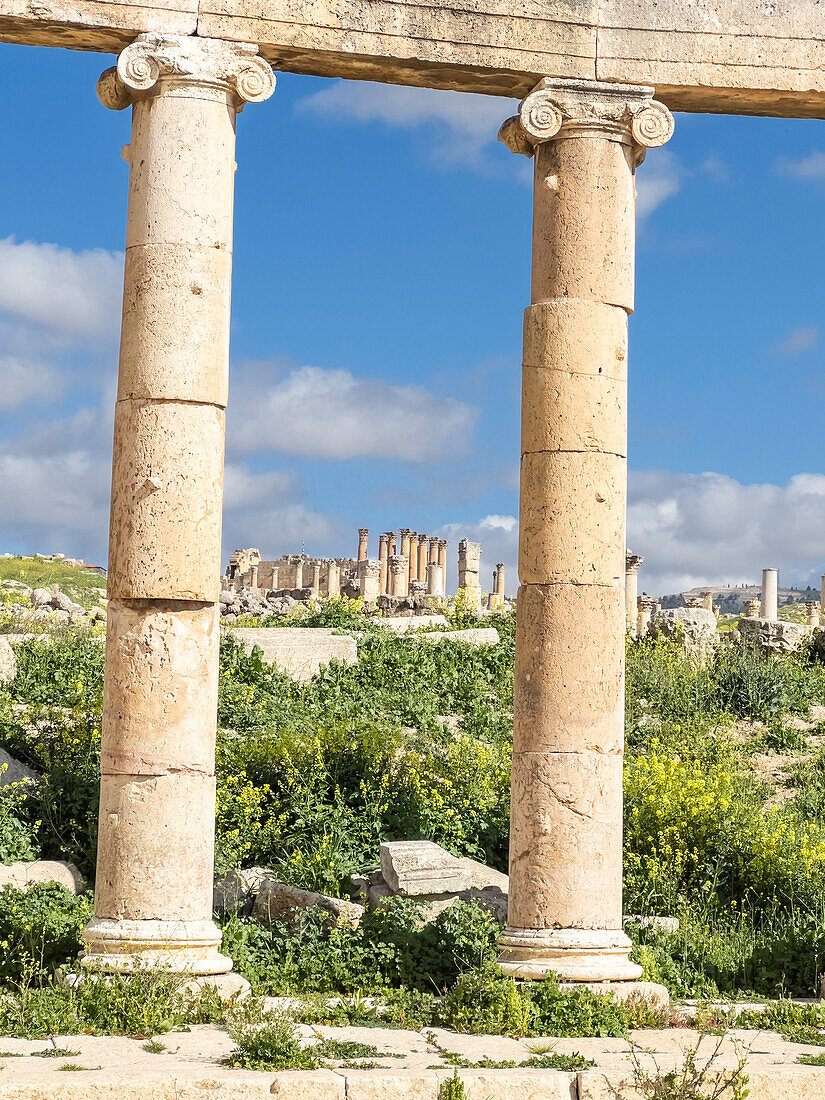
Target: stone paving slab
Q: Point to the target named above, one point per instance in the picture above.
(191, 1068)
(298, 651)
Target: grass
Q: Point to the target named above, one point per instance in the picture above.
(75, 581)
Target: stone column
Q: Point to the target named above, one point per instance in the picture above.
(432, 550)
(423, 544)
(299, 573)
(822, 593)
(333, 579)
(383, 555)
(363, 543)
(442, 561)
(316, 580)
(153, 894)
(398, 575)
(434, 579)
(275, 572)
(565, 905)
(253, 578)
(645, 606)
(413, 557)
(752, 609)
(770, 594)
(369, 573)
(499, 582)
(812, 609)
(631, 589)
(405, 553)
(392, 544)
(469, 554)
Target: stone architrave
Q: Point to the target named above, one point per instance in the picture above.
(565, 906)
(363, 543)
(770, 594)
(383, 556)
(153, 895)
(369, 574)
(631, 589)
(398, 575)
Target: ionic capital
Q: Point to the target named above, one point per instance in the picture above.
(154, 59)
(569, 108)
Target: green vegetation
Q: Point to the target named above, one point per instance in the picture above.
(724, 829)
(82, 585)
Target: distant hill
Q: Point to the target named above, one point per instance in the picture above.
(731, 600)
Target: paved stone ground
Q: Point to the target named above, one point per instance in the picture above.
(190, 1068)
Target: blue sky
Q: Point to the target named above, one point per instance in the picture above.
(382, 248)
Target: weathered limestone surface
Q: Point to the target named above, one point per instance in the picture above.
(8, 662)
(702, 55)
(275, 901)
(153, 894)
(565, 911)
(23, 875)
(415, 867)
(298, 651)
(773, 635)
(695, 626)
(480, 635)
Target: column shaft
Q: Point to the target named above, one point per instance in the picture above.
(565, 906)
(153, 895)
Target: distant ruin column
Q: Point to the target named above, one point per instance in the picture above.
(499, 584)
(423, 544)
(253, 578)
(812, 611)
(822, 593)
(469, 554)
(405, 553)
(631, 589)
(392, 544)
(363, 543)
(316, 580)
(299, 573)
(333, 579)
(435, 580)
(645, 606)
(153, 893)
(442, 561)
(383, 555)
(398, 575)
(752, 609)
(770, 594)
(413, 556)
(565, 900)
(369, 574)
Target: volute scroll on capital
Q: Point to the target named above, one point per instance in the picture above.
(626, 112)
(210, 61)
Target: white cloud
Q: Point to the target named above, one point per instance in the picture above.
(709, 528)
(74, 296)
(464, 125)
(811, 167)
(659, 179)
(798, 340)
(330, 414)
(22, 381)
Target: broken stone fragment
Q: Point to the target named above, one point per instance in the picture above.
(418, 867)
(23, 875)
(8, 662)
(275, 901)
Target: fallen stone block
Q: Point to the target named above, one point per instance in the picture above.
(23, 875)
(12, 771)
(695, 627)
(8, 662)
(275, 901)
(417, 867)
(298, 652)
(403, 624)
(773, 635)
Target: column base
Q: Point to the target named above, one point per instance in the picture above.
(571, 954)
(179, 947)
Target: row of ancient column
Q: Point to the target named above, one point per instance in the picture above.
(409, 563)
(153, 897)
